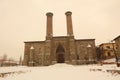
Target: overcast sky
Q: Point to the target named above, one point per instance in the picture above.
(25, 20)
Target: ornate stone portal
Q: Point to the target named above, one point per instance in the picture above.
(59, 49)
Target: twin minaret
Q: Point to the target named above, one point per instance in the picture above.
(49, 31)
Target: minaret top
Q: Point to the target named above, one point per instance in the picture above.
(49, 25)
(68, 13)
(49, 14)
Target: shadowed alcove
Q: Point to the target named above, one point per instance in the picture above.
(60, 54)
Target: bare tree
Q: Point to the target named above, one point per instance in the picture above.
(3, 59)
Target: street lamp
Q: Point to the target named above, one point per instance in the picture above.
(89, 46)
(31, 62)
(88, 52)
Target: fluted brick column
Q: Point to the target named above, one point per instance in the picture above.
(49, 31)
(69, 23)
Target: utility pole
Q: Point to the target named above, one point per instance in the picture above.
(20, 61)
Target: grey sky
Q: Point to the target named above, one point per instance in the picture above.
(25, 20)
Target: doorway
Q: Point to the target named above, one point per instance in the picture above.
(60, 54)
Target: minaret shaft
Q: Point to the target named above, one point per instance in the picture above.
(49, 31)
(69, 23)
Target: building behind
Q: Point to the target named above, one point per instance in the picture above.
(117, 42)
(59, 49)
(107, 50)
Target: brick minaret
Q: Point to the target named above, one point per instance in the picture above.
(49, 32)
(69, 23)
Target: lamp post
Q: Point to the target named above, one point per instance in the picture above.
(89, 46)
(31, 62)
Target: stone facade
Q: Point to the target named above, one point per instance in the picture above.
(59, 49)
(107, 50)
(117, 42)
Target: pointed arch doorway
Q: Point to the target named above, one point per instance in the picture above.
(60, 52)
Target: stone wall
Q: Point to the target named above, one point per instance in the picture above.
(117, 41)
(45, 52)
(85, 50)
(35, 54)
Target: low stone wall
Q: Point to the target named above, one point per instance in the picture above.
(2, 75)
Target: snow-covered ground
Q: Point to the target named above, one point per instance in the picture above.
(63, 72)
(110, 60)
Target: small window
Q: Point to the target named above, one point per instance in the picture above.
(108, 47)
(109, 54)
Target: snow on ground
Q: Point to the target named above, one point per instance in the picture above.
(65, 72)
(110, 60)
(13, 69)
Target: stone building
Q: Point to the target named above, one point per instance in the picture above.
(117, 42)
(59, 49)
(107, 50)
